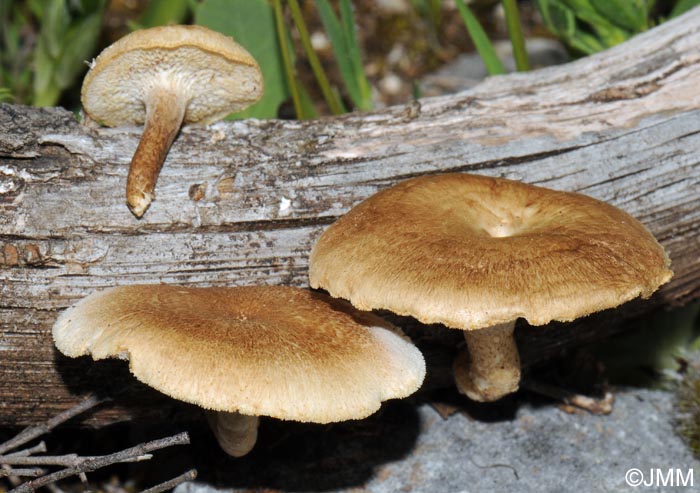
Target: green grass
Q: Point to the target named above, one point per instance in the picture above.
(341, 33)
(481, 41)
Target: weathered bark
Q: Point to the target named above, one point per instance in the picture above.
(242, 202)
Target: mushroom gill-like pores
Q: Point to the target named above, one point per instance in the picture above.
(245, 352)
(476, 253)
(162, 77)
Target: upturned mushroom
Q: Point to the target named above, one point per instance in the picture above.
(245, 352)
(476, 253)
(162, 77)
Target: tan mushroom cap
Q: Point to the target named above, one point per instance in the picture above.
(212, 71)
(472, 251)
(283, 352)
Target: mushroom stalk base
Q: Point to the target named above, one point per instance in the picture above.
(235, 432)
(490, 368)
(165, 111)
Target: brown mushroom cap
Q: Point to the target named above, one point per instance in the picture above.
(472, 251)
(283, 352)
(213, 72)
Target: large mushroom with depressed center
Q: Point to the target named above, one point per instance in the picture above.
(476, 253)
(246, 352)
(163, 77)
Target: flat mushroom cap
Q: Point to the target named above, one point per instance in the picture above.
(212, 71)
(471, 251)
(283, 352)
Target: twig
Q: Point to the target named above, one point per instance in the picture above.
(93, 463)
(182, 478)
(5, 471)
(590, 404)
(68, 460)
(83, 479)
(595, 406)
(33, 432)
(35, 472)
(53, 488)
(39, 447)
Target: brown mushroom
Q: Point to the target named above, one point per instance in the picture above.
(476, 253)
(246, 352)
(162, 77)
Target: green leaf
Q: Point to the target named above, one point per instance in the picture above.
(5, 94)
(78, 45)
(481, 41)
(53, 27)
(163, 12)
(558, 18)
(43, 77)
(545, 11)
(307, 104)
(341, 50)
(580, 26)
(88, 6)
(252, 24)
(62, 47)
(605, 29)
(582, 8)
(683, 6)
(341, 34)
(347, 19)
(585, 43)
(331, 97)
(11, 43)
(37, 7)
(287, 56)
(627, 14)
(516, 35)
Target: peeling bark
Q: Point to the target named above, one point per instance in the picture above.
(242, 202)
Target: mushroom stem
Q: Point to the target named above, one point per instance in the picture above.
(490, 368)
(165, 110)
(235, 432)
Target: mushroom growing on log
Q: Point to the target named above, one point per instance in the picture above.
(476, 253)
(622, 126)
(246, 352)
(162, 77)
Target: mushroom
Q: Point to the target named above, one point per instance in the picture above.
(246, 352)
(162, 77)
(476, 253)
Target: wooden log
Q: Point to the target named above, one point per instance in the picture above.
(242, 202)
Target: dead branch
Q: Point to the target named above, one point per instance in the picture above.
(166, 485)
(38, 448)
(593, 405)
(32, 432)
(68, 460)
(21, 472)
(74, 464)
(89, 464)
